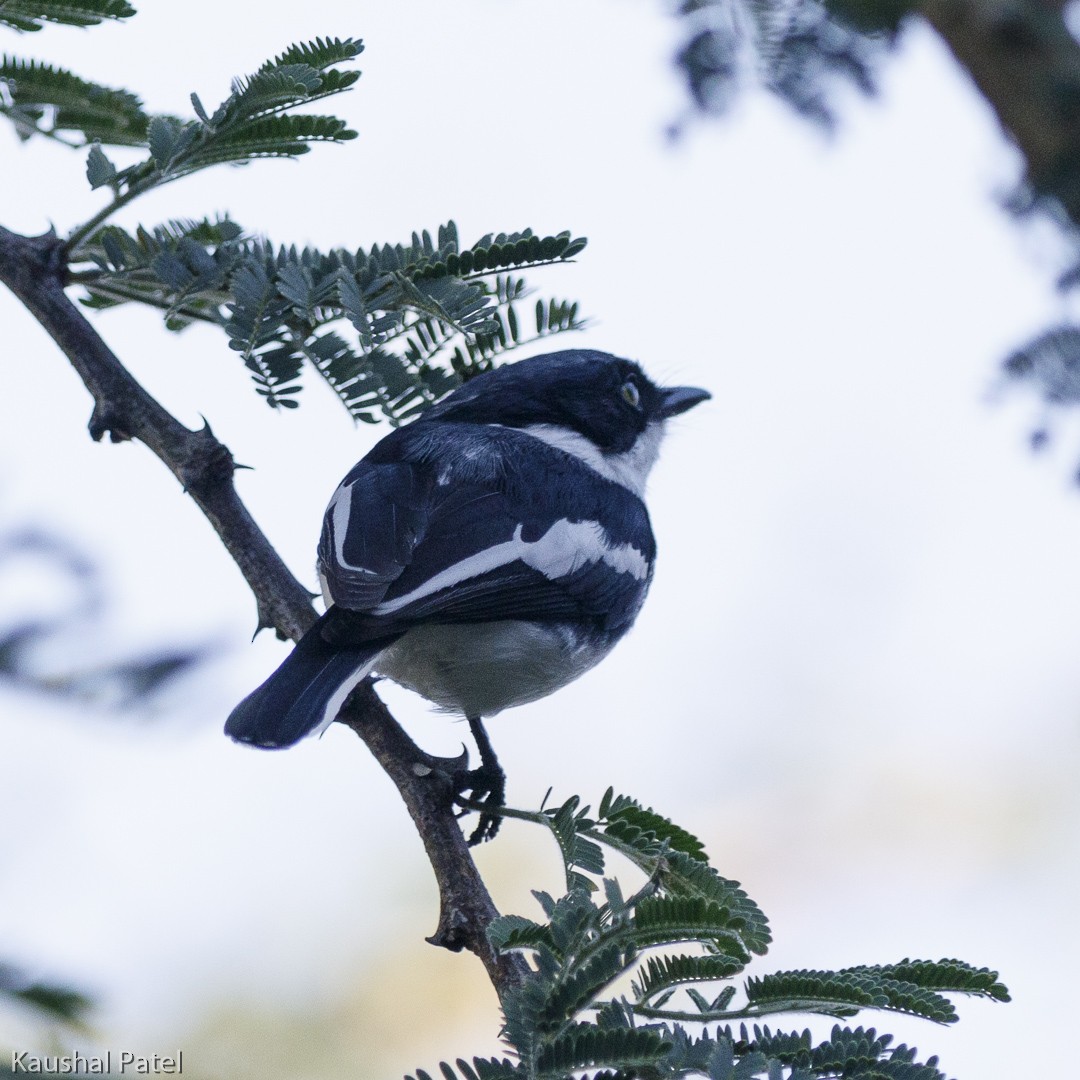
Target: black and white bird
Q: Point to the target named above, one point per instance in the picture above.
(485, 555)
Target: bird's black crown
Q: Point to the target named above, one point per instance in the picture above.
(605, 398)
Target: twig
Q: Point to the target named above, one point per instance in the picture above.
(89, 227)
(34, 269)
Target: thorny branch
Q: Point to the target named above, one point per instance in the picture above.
(34, 269)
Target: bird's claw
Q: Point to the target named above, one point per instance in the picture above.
(487, 787)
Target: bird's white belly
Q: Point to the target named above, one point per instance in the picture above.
(480, 669)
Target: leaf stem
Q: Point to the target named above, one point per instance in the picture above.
(750, 1012)
(25, 127)
(88, 228)
(134, 296)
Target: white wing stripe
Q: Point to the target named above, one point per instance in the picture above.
(564, 548)
(340, 509)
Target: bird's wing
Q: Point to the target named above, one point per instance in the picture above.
(370, 530)
(467, 539)
(545, 570)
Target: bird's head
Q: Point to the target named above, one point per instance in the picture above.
(598, 407)
(605, 399)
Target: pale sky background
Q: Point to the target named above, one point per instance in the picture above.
(855, 677)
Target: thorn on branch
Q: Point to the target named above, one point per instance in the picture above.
(209, 462)
(106, 419)
(454, 931)
(266, 621)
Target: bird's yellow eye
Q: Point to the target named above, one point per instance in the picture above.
(631, 394)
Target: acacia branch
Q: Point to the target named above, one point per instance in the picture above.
(34, 269)
(465, 906)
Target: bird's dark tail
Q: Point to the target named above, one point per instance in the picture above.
(304, 695)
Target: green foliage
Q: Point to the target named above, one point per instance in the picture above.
(254, 121)
(686, 928)
(843, 993)
(416, 326)
(638, 827)
(34, 14)
(40, 99)
(848, 1052)
(662, 973)
(391, 329)
(53, 1002)
(1049, 365)
(798, 50)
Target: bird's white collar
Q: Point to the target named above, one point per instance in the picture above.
(630, 469)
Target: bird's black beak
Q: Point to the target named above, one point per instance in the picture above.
(677, 399)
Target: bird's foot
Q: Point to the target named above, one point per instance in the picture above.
(486, 787)
(487, 794)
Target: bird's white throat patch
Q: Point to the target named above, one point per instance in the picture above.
(630, 469)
